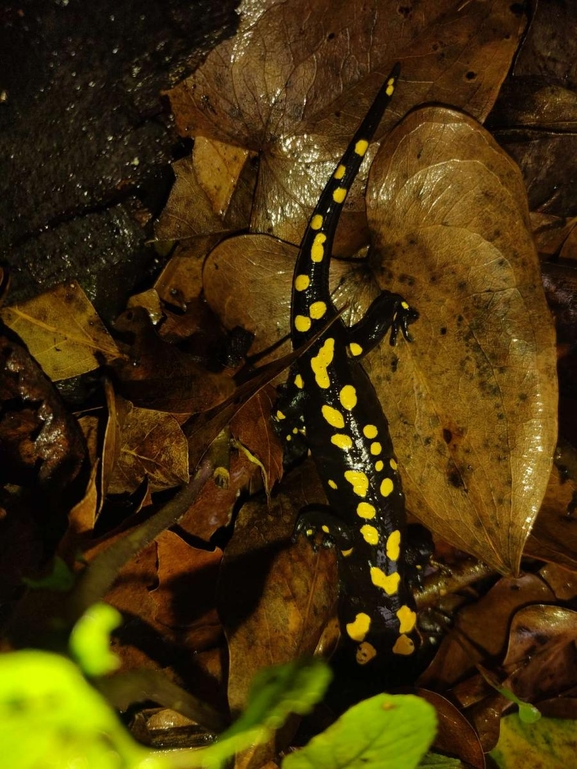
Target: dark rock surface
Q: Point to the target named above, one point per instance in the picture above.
(86, 138)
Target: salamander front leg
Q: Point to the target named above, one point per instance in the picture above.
(320, 518)
(388, 311)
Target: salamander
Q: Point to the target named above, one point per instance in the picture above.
(346, 430)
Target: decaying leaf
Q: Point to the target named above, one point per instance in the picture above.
(161, 376)
(62, 331)
(152, 445)
(181, 279)
(455, 735)
(554, 536)
(185, 571)
(551, 232)
(214, 507)
(541, 659)
(272, 87)
(212, 193)
(41, 445)
(247, 282)
(274, 599)
(473, 402)
(253, 428)
(481, 630)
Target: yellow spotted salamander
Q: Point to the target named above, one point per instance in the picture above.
(346, 430)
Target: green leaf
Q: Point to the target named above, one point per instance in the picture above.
(50, 717)
(527, 713)
(548, 743)
(436, 761)
(384, 731)
(276, 692)
(90, 639)
(60, 579)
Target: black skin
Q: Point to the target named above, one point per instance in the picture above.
(331, 399)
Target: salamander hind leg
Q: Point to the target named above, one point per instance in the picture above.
(320, 518)
(288, 420)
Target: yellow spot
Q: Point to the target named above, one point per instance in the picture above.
(317, 248)
(404, 645)
(302, 282)
(355, 349)
(390, 86)
(407, 618)
(376, 448)
(280, 415)
(361, 147)
(365, 653)
(358, 481)
(339, 194)
(346, 553)
(333, 417)
(316, 222)
(340, 172)
(348, 397)
(370, 431)
(379, 466)
(394, 545)
(317, 310)
(370, 534)
(332, 484)
(404, 305)
(387, 485)
(299, 382)
(393, 464)
(358, 629)
(388, 582)
(342, 441)
(289, 437)
(295, 430)
(366, 510)
(302, 323)
(325, 529)
(322, 361)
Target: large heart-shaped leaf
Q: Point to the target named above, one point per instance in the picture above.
(473, 402)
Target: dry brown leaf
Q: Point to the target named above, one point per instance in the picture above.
(551, 232)
(455, 735)
(62, 331)
(211, 195)
(530, 102)
(297, 78)
(541, 659)
(117, 409)
(185, 571)
(218, 168)
(253, 427)
(181, 279)
(150, 300)
(152, 445)
(41, 444)
(215, 505)
(554, 536)
(473, 402)
(274, 598)
(481, 630)
(163, 377)
(247, 283)
(81, 521)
